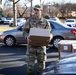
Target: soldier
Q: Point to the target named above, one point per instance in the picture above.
(35, 51)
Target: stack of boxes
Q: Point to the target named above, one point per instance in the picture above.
(66, 47)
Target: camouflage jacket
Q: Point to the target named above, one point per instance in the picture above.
(35, 22)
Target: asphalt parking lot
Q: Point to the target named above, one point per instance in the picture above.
(13, 59)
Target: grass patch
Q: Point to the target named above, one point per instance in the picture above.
(4, 28)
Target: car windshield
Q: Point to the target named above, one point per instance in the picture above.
(18, 20)
(70, 21)
(53, 19)
(8, 18)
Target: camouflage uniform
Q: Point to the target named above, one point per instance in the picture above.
(35, 51)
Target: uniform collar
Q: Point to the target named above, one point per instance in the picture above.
(35, 17)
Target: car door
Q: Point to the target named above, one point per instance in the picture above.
(19, 36)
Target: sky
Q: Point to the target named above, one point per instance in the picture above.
(59, 1)
(51, 1)
(47, 1)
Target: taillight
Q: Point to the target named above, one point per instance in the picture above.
(73, 31)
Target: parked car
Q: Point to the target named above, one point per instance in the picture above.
(7, 20)
(20, 22)
(12, 37)
(59, 31)
(54, 19)
(70, 22)
(0, 20)
(3, 19)
(62, 67)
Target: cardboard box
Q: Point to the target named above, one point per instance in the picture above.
(39, 37)
(66, 45)
(74, 47)
(65, 54)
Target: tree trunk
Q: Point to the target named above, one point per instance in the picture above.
(14, 13)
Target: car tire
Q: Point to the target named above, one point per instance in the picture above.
(9, 41)
(56, 40)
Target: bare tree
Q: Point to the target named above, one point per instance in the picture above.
(15, 10)
(6, 7)
(25, 8)
(21, 13)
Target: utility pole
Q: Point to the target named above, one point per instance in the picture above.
(15, 13)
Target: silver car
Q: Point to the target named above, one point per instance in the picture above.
(59, 31)
(12, 37)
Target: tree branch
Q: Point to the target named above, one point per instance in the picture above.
(17, 1)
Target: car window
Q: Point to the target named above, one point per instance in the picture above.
(8, 18)
(53, 19)
(56, 25)
(18, 20)
(70, 21)
(52, 26)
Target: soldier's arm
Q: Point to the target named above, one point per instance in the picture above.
(48, 25)
(26, 28)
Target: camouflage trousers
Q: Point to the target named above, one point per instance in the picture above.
(38, 53)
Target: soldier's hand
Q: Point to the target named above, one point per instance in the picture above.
(48, 40)
(28, 38)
